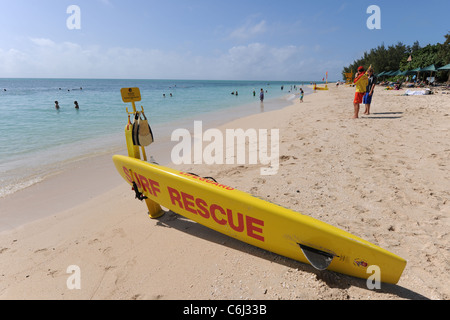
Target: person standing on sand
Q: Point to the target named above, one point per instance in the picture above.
(367, 100)
(301, 94)
(361, 82)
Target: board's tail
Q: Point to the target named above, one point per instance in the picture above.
(320, 260)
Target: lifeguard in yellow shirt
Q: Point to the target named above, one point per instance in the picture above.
(361, 82)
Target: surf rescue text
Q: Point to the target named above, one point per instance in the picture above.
(199, 207)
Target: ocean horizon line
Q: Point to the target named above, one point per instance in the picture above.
(154, 79)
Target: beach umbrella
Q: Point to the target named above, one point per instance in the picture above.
(447, 67)
(388, 73)
(396, 73)
(391, 73)
(431, 69)
(444, 68)
(414, 72)
(404, 73)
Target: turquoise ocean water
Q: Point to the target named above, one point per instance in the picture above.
(36, 139)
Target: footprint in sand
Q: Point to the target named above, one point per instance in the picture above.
(285, 158)
(234, 171)
(41, 250)
(106, 251)
(52, 273)
(93, 242)
(120, 232)
(259, 181)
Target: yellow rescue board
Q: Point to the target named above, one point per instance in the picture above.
(259, 223)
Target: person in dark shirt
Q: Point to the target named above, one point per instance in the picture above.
(367, 100)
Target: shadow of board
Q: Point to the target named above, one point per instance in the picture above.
(384, 115)
(388, 113)
(332, 279)
(381, 117)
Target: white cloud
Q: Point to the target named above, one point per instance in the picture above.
(255, 61)
(42, 42)
(249, 30)
(260, 61)
(106, 2)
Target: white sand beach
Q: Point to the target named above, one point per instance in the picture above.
(384, 177)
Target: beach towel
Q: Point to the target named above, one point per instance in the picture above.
(142, 133)
(417, 93)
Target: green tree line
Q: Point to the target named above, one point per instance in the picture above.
(395, 58)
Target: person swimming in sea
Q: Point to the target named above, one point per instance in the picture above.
(56, 105)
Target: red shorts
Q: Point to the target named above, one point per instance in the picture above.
(359, 97)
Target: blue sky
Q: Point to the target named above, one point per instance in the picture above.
(206, 39)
